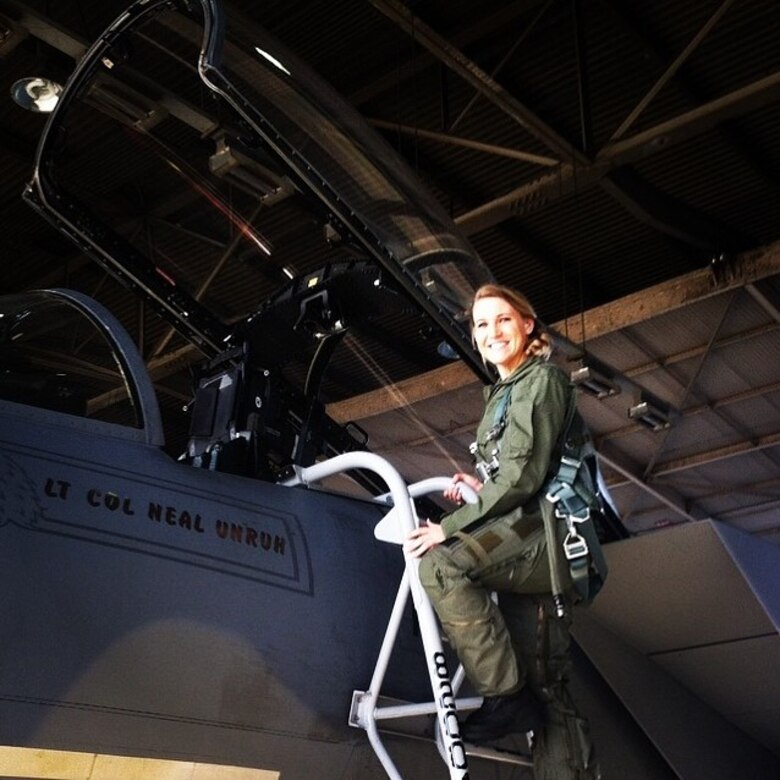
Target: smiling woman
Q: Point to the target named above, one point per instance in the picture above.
(514, 650)
(502, 328)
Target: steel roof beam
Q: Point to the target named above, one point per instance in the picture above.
(705, 458)
(692, 352)
(698, 285)
(670, 215)
(479, 146)
(506, 15)
(771, 307)
(755, 157)
(567, 180)
(601, 321)
(515, 46)
(472, 74)
(46, 30)
(709, 406)
(675, 503)
(671, 71)
(661, 214)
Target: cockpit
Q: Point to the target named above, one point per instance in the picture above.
(63, 352)
(235, 140)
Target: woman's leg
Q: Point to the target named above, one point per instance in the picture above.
(459, 577)
(471, 620)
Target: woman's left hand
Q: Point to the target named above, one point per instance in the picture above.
(453, 492)
(424, 538)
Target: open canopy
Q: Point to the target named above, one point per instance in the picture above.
(234, 134)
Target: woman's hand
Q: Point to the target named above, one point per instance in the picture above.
(453, 493)
(424, 538)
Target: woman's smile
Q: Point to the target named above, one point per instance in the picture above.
(500, 333)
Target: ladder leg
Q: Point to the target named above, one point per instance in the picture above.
(363, 713)
(454, 751)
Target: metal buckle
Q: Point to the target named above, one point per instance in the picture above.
(574, 546)
(556, 490)
(584, 518)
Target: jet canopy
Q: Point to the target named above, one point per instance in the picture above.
(188, 142)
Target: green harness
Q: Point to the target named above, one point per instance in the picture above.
(574, 494)
(571, 495)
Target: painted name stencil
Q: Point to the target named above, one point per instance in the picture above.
(184, 521)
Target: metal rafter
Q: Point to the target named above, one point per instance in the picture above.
(707, 457)
(764, 302)
(671, 71)
(660, 213)
(629, 311)
(512, 49)
(689, 386)
(691, 411)
(504, 16)
(666, 497)
(445, 138)
(470, 72)
(693, 92)
(565, 180)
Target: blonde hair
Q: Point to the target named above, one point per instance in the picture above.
(539, 342)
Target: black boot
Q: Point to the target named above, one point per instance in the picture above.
(502, 715)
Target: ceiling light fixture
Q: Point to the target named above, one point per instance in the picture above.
(36, 93)
(650, 415)
(594, 383)
(272, 60)
(239, 168)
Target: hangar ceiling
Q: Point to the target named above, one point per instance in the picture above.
(617, 161)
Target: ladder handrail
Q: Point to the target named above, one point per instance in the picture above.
(390, 529)
(363, 712)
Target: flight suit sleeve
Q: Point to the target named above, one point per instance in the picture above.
(535, 417)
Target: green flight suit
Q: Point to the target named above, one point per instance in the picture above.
(498, 544)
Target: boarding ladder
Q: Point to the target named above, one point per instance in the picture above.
(366, 709)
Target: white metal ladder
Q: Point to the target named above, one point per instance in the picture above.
(366, 710)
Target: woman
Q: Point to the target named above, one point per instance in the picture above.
(515, 653)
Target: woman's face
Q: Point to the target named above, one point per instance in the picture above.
(500, 333)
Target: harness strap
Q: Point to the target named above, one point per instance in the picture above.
(572, 458)
(499, 416)
(581, 545)
(553, 554)
(476, 548)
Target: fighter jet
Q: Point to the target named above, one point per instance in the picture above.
(228, 603)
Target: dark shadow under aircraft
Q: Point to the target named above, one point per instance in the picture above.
(216, 606)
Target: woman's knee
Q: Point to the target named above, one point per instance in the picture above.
(430, 572)
(439, 571)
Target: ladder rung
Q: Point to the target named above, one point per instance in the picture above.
(413, 721)
(498, 755)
